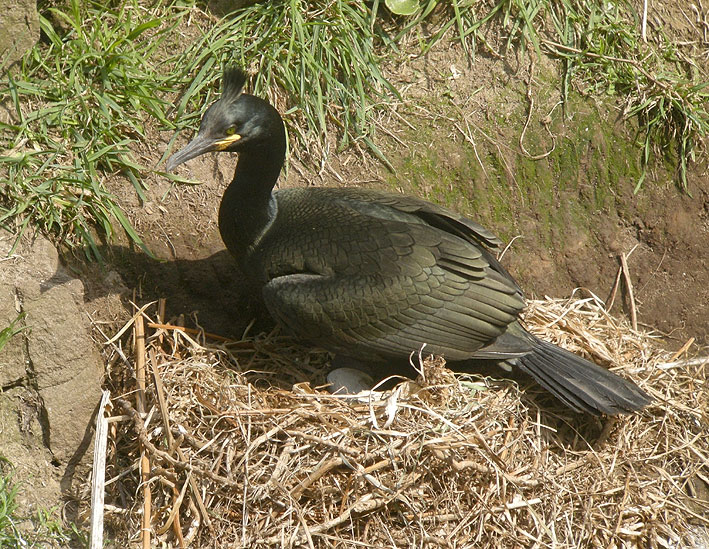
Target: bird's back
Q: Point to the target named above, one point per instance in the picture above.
(363, 272)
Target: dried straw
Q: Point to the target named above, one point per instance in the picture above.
(247, 451)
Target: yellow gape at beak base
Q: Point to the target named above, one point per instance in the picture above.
(224, 143)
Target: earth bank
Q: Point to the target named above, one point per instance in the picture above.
(566, 191)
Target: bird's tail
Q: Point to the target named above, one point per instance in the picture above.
(578, 383)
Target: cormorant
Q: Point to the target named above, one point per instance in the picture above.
(373, 276)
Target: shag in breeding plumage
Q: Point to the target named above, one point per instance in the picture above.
(374, 276)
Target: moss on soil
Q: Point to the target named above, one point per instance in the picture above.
(594, 161)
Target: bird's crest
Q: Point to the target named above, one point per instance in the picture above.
(233, 83)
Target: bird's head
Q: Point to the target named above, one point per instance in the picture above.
(236, 122)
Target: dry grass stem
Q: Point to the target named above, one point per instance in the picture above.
(139, 338)
(631, 297)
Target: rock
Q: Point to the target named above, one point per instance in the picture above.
(19, 29)
(31, 463)
(12, 366)
(51, 371)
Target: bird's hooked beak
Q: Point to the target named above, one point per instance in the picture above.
(200, 145)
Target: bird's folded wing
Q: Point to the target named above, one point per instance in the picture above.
(432, 214)
(430, 287)
(387, 205)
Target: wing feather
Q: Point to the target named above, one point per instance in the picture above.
(375, 274)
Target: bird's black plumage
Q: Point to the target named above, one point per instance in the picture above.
(374, 276)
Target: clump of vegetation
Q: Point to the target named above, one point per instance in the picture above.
(325, 56)
(9, 331)
(81, 98)
(602, 45)
(602, 48)
(85, 94)
(8, 506)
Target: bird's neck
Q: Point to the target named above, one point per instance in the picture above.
(248, 207)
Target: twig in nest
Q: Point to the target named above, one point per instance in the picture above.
(165, 414)
(173, 520)
(619, 274)
(129, 324)
(614, 290)
(624, 272)
(313, 477)
(683, 350)
(322, 442)
(169, 327)
(479, 468)
(699, 361)
(182, 466)
(162, 305)
(98, 477)
(366, 504)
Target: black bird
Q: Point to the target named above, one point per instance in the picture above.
(374, 276)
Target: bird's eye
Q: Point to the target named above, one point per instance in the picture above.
(231, 130)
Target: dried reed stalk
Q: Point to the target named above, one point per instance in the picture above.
(98, 473)
(139, 334)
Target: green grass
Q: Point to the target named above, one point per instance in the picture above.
(9, 331)
(9, 537)
(84, 96)
(601, 47)
(325, 56)
(80, 100)
(469, 21)
(46, 531)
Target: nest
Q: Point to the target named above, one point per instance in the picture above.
(240, 445)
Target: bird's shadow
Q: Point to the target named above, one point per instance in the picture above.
(209, 293)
